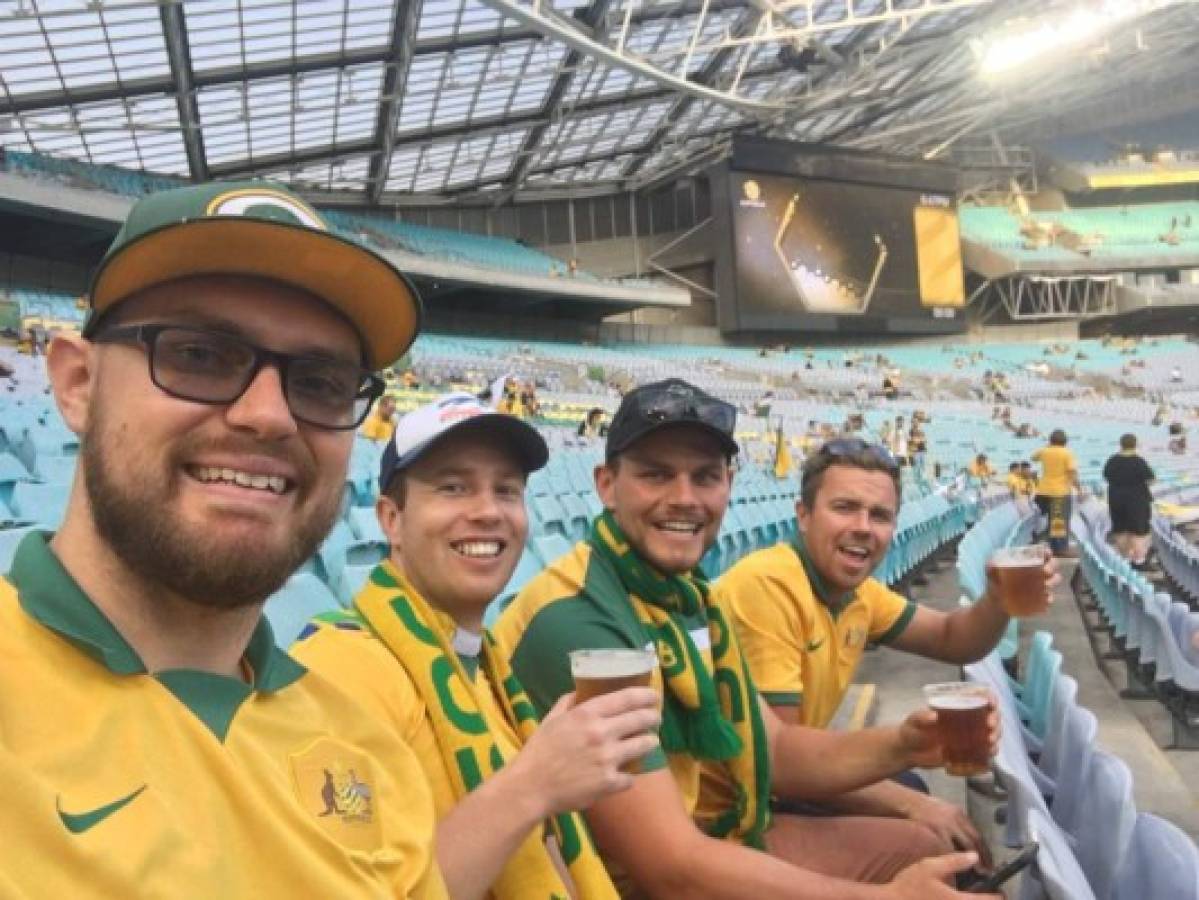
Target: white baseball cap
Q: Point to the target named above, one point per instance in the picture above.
(420, 429)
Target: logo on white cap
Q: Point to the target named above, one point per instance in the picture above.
(422, 425)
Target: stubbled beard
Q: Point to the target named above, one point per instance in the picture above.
(133, 519)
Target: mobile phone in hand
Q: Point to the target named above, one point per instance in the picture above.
(1018, 863)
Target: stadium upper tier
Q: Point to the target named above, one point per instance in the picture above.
(1100, 238)
(50, 306)
(435, 252)
(1145, 154)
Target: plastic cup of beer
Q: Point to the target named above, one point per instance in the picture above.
(603, 671)
(962, 709)
(1020, 572)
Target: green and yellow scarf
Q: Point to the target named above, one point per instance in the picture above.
(407, 625)
(712, 717)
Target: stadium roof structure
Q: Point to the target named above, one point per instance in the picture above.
(383, 102)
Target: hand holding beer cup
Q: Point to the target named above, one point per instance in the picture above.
(597, 672)
(1023, 579)
(582, 749)
(963, 733)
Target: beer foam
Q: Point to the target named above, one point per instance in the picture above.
(1019, 557)
(957, 701)
(614, 663)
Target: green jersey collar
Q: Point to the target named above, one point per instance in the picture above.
(51, 596)
(820, 588)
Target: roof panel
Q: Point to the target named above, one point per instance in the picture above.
(282, 29)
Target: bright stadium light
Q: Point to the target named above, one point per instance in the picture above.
(1028, 41)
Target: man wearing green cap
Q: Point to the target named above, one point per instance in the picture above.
(154, 739)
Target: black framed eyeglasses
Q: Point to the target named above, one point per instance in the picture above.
(856, 447)
(683, 406)
(205, 366)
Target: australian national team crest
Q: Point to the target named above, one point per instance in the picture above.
(335, 783)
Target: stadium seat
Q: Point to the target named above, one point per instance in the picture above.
(42, 504)
(1161, 863)
(56, 469)
(1055, 874)
(303, 597)
(1106, 816)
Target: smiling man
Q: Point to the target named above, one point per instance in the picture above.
(698, 822)
(805, 610)
(156, 740)
(413, 650)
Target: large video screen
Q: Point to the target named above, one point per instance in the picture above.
(812, 252)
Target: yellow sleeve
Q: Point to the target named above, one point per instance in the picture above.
(372, 428)
(890, 612)
(770, 631)
(357, 662)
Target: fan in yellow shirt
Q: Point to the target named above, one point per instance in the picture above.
(154, 740)
(414, 651)
(381, 423)
(1055, 489)
(804, 611)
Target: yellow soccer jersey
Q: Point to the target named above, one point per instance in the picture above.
(187, 784)
(1057, 471)
(347, 652)
(376, 428)
(800, 651)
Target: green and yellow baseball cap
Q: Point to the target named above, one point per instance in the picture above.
(260, 229)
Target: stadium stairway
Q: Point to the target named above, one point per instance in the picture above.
(1159, 780)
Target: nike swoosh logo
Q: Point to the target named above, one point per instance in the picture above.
(813, 646)
(77, 823)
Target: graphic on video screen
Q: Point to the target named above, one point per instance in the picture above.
(838, 248)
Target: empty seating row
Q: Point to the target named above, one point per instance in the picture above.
(1073, 798)
(1155, 635)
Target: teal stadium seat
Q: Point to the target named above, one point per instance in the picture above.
(303, 597)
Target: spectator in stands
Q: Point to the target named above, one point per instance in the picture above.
(216, 388)
(1176, 374)
(891, 386)
(981, 471)
(380, 423)
(38, 339)
(411, 380)
(899, 442)
(1030, 478)
(917, 446)
(530, 406)
(1129, 501)
(1178, 439)
(413, 649)
(1055, 489)
(593, 426)
(665, 485)
(805, 609)
(763, 404)
(1018, 488)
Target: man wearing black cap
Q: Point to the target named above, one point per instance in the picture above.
(154, 740)
(413, 649)
(696, 818)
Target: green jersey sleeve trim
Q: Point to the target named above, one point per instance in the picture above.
(783, 698)
(899, 625)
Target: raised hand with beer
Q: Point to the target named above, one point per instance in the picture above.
(1023, 579)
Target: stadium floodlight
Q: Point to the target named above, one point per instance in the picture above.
(1028, 41)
